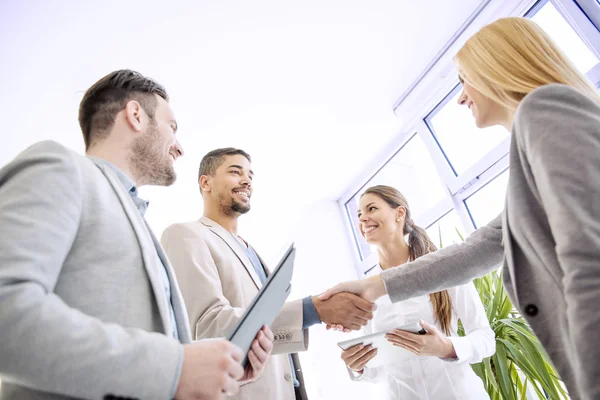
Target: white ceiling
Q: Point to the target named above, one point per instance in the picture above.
(306, 87)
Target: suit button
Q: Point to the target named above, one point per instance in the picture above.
(531, 310)
(288, 336)
(288, 376)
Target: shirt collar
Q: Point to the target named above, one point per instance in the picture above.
(126, 181)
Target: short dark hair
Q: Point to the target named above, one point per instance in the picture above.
(106, 98)
(213, 160)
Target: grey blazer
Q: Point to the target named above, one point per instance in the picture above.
(548, 237)
(83, 312)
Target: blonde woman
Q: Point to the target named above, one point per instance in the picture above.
(548, 237)
(440, 368)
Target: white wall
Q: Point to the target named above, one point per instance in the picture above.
(323, 259)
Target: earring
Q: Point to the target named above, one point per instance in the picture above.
(398, 220)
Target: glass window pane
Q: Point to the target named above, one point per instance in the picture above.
(447, 230)
(413, 173)
(486, 203)
(567, 39)
(453, 126)
(463, 143)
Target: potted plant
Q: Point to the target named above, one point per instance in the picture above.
(520, 365)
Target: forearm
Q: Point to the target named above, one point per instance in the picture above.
(290, 337)
(51, 347)
(372, 375)
(582, 294)
(474, 347)
(481, 253)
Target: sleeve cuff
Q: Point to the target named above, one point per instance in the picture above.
(309, 313)
(177, 374)
(462, 348)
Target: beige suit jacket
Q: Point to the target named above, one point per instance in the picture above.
(218, 283)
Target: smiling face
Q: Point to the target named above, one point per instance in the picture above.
(378, 222)
(154, 152)
(485, 111)
(231, 185)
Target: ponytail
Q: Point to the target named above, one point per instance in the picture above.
(420, 244)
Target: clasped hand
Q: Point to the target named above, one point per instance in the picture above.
(345, 310)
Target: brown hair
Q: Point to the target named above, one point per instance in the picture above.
(106, 98)
(419, 244)
(213, 160)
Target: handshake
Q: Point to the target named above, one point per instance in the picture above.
(348, 306)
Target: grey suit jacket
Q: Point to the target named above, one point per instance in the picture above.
(83, 313)
(548, 236)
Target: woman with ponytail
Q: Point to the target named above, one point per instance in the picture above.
(440, 368)
(547, 239)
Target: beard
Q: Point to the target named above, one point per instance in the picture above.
(149, 159)
(231, 206)
(239, 207)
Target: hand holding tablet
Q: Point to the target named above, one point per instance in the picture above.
(375, 349)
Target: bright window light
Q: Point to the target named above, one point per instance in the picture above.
(567, 39)
(413, 173)
(463, 143)
(485, 204)
(447, 230)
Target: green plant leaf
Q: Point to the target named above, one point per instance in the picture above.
(520, 361)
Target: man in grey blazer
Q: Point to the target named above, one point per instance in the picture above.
(210, 254)
(89, 305)
(547, 238)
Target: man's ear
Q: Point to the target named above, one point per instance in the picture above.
(205, 183)
(134, 115)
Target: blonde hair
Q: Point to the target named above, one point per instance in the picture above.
(511, 57)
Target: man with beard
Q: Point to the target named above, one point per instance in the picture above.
(219, 274)
(89, 306)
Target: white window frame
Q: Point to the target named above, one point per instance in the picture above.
(431, 91)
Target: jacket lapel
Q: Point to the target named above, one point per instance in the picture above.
(181, 318)
(146, 246)
(510, 281)
(234, 245)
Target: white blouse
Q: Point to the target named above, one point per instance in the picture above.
(427, 377)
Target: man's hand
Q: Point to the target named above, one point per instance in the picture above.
(344, 309)
(211, 370)
(370, 288)
(258, 355)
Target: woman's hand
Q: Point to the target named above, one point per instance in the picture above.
(337, 328)
(433, 343)
(356, 357)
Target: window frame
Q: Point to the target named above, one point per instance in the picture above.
(432, 91)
